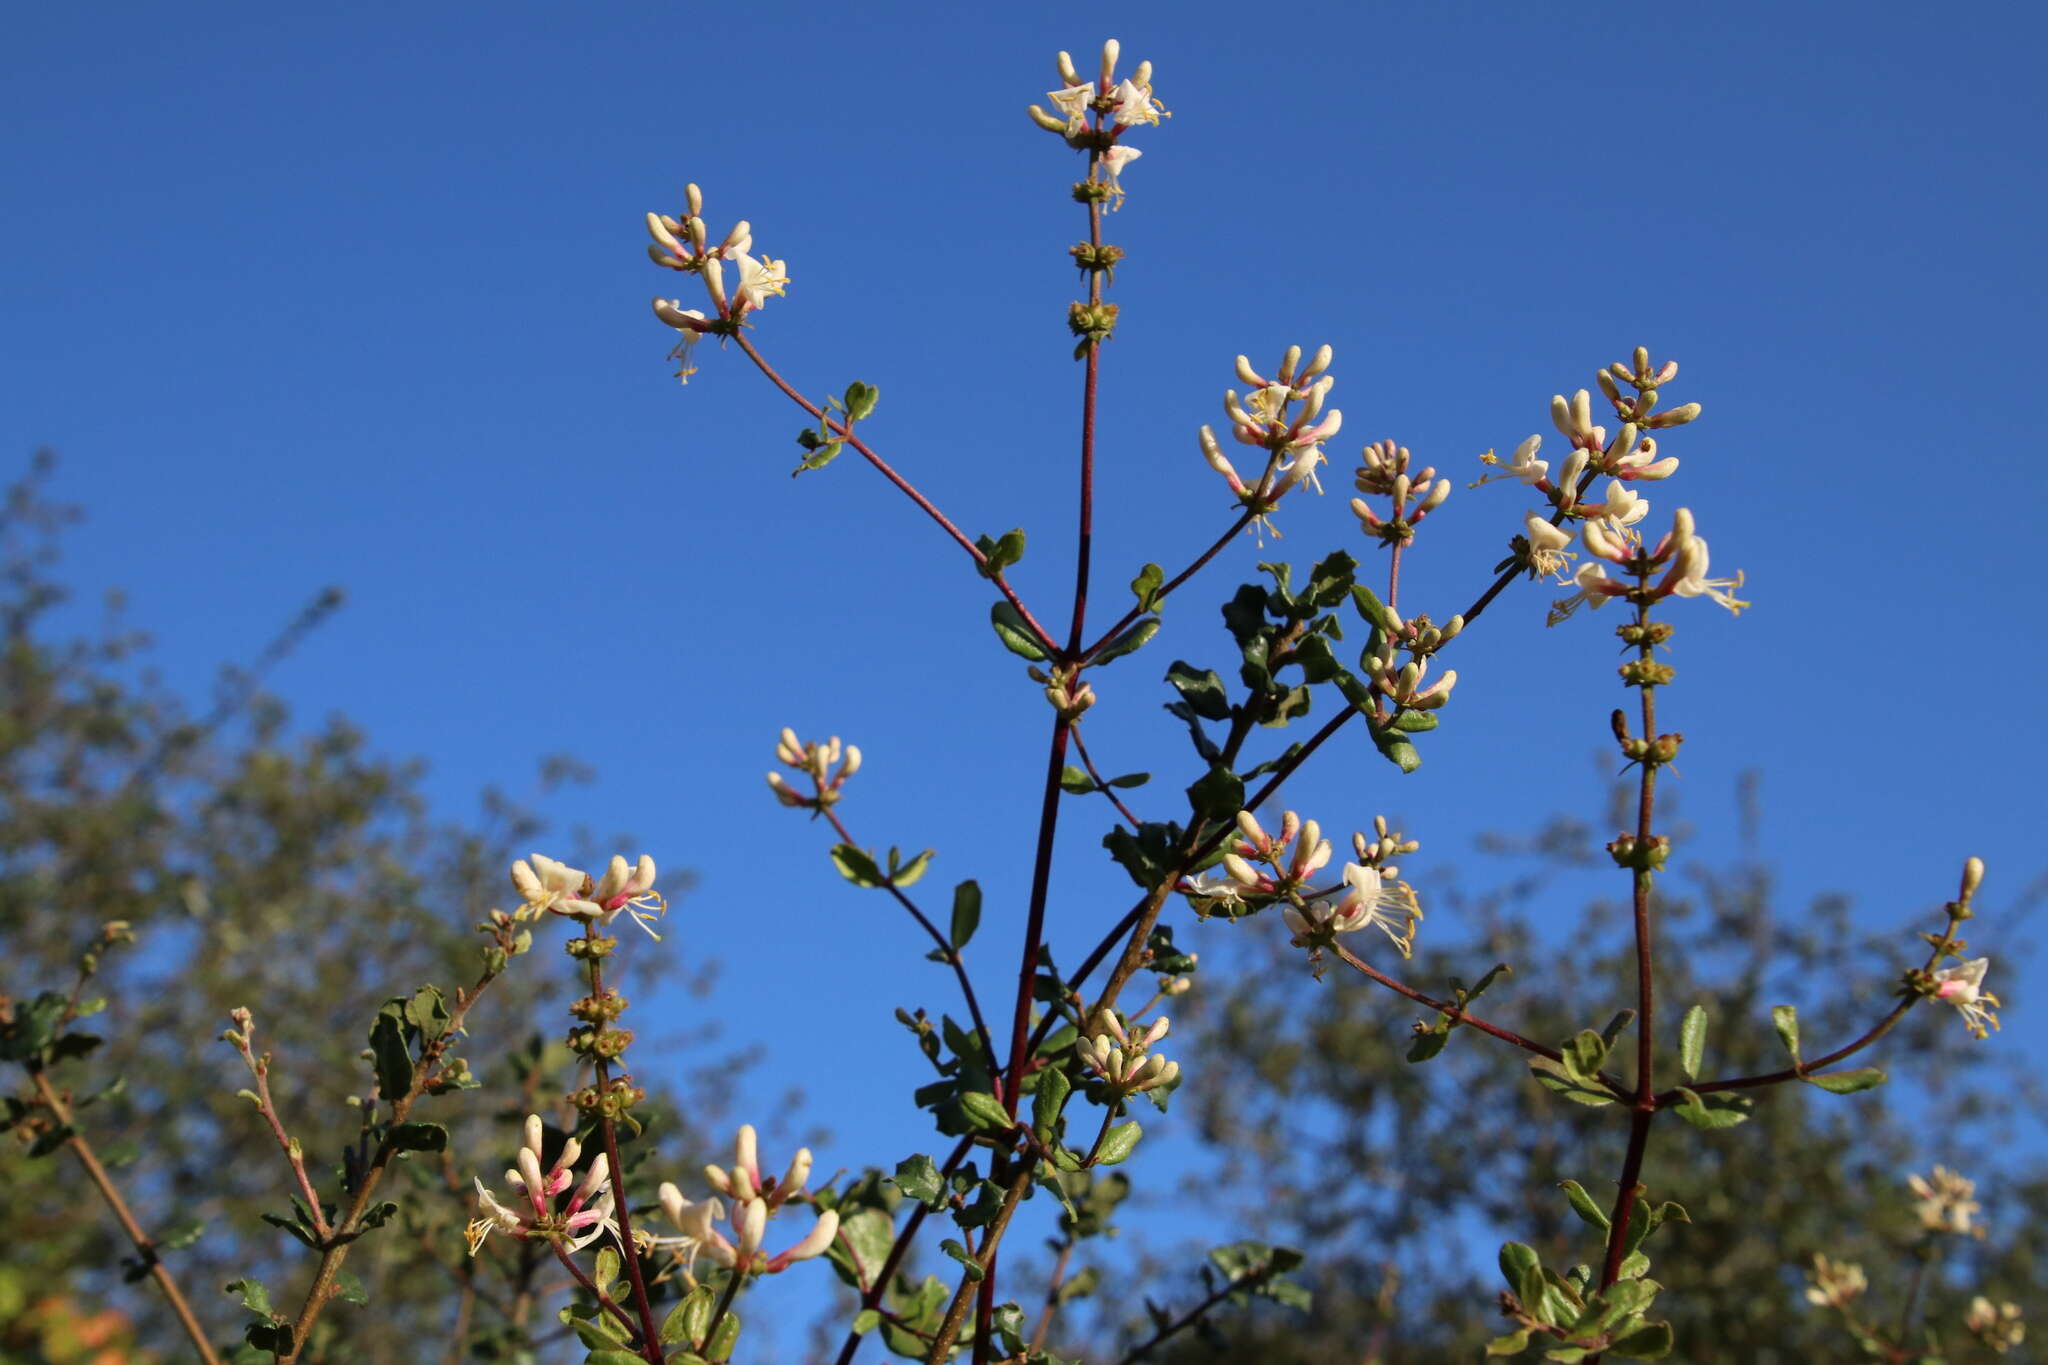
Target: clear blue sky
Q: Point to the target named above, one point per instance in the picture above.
(358, 296)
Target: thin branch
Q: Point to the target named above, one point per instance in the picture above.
(956, 1314)
(845, 433)
(1081, 750)
(949, 953)
(1195, 1314)
(643, 1306)
(595, 1290)
(145, 1249)
(1129, 617)
(871, 1296)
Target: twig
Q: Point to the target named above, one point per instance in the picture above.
(145, 1249)
(1081, 750)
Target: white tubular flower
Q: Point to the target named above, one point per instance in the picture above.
(532, 1212)
(1522, 465)
(1218, 461)
(1963, 986)
(1595, 587)
(630, 887)
(1073, 102)
(1134, 105)
(1113, 162)
(1623, 506)
(1946, 1202)
(694, 1224)
(814, 760)
(544, 885)
(1688, 577)
(1214, 893)
(756, 1200)
(760, 281)
(815, 1243)
(1548, 557)
(1367, 901)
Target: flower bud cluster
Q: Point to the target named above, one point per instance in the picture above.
(756, 1199)
(547, 886)
(1386, 473)
(1123, 1059)
(1064, 690)
(684, 244)
(1403, 681)
(532, 1211)
(1283, 416)
(1092, 115)
(1836, 1284)
(817, 761)
(1259, 869)
(1681, 557)
(1946, 1202)
(1999, 1328)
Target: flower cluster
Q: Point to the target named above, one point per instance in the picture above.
(1369, 894)
(1999, 1328)
(1946, 1202)
(1681, 557)
(755, 1200)
(1963, 986)
(545, 885)
(817, 761)
(1093, 115)
(586, 1216)
(1122, 1058)
(1403, 681)
(1284, 417)
(1836, 1284)
(683, 244)
(1386, 472)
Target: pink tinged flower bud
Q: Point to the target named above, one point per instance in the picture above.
(1110, 51)
(746, 1154)
(529, 1176)
(1658, 469)
(1677, 417)
(1248, 825)
(1318, 362)
(1045, 120)
(790, 749)
(672, 313)
(534, 1132)
(814, 1243)
(693, 227)
(593, 1179)
(1568, 477)
(1248, 376)
(1600, 543)
(1311, 834)
(1668, 373)
(1240, 871)
(1288, 363)
(716, 1177)
(660, 232)
(1321, 431)
(799, 1171)
(1561, 414)
(1367, 518)
(752, 1225)
(739, 239)
(694, 197)
(1159, 1029)
(1290, 825)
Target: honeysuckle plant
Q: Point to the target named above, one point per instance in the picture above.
(1032, 1089)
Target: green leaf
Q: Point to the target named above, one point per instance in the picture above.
(1692, 1041)
(1370, 607)
(348, 1287)
(687, 1322)
(865, 1321)
(390, 1053)
(1412, 722)
(918, 1177)
(865, 1236)
(1711, 1111)
(986, 1112)
(1130, 642)
(1046, 1103)
(606, 1271)
(1117, 1144)
(1145, 587)
(612, 1355)
(1512, 1344)
(1331, 579)
(966, 912)
(1000, 554)
(1075, 782)
(255, 1297)
(1522, 1268)
(1429, 1042)
(1201, 689)
(417, 1137)
(820, 456)
(1396, 750)
(428, 1013)
(902, 874)
(1128, 780)
(960, 1253)
(860, 400)
(722, 1341)
(856, 865)
(1583, 1053)
(1015, 634)
(1558, 1078)
(1218, 795)
(182, 1233)
(1849, 1082)
(1583, 1205)
(1785, 1019)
